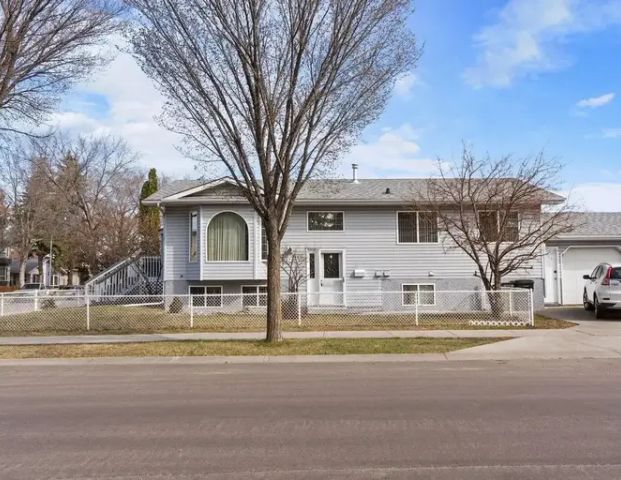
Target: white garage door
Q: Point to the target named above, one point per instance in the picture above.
(581, 261)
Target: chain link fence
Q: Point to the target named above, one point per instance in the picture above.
(409, 309)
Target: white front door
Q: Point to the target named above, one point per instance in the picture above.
(550, 260)
(331, 278)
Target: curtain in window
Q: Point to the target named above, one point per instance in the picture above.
(227, 238)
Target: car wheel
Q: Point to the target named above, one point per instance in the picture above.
(599, 311)
(588, 306)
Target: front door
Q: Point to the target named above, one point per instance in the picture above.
(331, 278)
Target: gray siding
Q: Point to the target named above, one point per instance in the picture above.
(176, 245)
(369, 240)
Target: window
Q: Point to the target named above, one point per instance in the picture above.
(417, 227)
(489, 224)
(325, 221)
(311, 265)
(4, 274)
(264, 245)
(425, 294)
(193, 236)
(331, 265)
(227, 238)
(206, 296)
(254, 296)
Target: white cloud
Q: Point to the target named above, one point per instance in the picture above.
(394, 153)
(528, 36)
(611, 133)
(405, 84)
(132, 103)
(597, 196)
(595, 102)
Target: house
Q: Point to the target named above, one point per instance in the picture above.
(595, 239)
(5, 267)
(354, 235)
(59, 278)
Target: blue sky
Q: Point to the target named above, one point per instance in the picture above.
(505, 76)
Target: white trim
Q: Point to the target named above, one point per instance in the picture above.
(417, 242)
(206, 295)
(198, 236)
(207, 239)
(418, 303)
(308, 212)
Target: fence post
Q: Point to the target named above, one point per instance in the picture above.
(511, 302)
(299, 302)
(416, 307)
(2, 305)
(87, 299)
(191, 311)
(531, 304)
(36, 300)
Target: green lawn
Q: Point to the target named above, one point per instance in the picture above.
(246, 347)
(121, 319)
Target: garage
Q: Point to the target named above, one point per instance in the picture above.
(579, 261)
(596, 239)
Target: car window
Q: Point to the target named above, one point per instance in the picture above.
(595, 273)
(616, 274)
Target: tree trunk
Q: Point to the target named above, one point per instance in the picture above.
(22, 272)
(274, 304)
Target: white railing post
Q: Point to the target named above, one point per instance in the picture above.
(2, 305)
(511, 302)
(531, 309)
(191, 311)
(36, 300)
(299, 302)
(87, 300)
(416, 307)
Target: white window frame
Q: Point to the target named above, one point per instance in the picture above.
(342, 212)
(206, 295)
(256, 294)
(417, 242)
(497, 212)
(418, 303)
(198, 241)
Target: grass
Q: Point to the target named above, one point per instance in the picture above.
(131, 319)
(332, 346)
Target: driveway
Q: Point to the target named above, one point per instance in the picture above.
(591, 338)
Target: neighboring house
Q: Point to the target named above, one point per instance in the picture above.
(595, 239)
(5, 267)
(59, 278)
(354, 235)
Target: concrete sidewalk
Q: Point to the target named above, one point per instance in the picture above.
(158, 337)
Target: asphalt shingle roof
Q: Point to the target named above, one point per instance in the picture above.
(594, 225)
(377, 190)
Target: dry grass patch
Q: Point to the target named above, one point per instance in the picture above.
(329, 346)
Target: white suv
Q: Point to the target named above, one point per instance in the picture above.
(602, 290)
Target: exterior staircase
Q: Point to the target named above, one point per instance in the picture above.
(137, 275)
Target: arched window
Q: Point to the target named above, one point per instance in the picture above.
(227, 238)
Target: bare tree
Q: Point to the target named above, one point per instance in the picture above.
(45, 46)
(293, 265)
(492, 210)
(97, 185)
(27, 194)
(273, 90)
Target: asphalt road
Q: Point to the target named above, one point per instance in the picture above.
(471, 420)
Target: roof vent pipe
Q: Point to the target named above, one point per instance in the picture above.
(354, 169)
